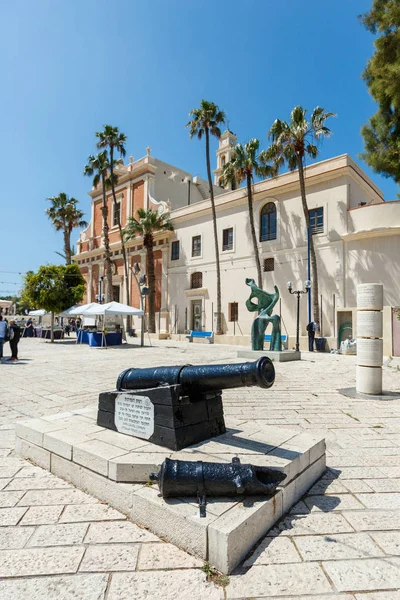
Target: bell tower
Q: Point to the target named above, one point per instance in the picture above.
(227, 143)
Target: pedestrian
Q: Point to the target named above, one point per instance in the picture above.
(3, 335)
(312, 328)
(15, 336)
(29, 328)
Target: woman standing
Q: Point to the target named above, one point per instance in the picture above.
(15, 336)
(29, 328)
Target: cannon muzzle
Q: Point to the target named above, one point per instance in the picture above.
(201, 378)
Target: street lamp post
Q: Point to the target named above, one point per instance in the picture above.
(307, 285)
(100, 295)
(143, 292)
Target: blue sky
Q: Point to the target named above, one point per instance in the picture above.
(68, 68)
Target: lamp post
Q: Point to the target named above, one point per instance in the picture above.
(100, 295)
(143, 291)
(307, 285)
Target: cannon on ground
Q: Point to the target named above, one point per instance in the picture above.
(177, 406)
(178, 478)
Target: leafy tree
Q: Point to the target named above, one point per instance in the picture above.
(65, 216)
(54, 288)
(206, 120)
(291, 144)
(243, 166)
(99, 166)
(146, 225)
(382, 75)
(111, 138)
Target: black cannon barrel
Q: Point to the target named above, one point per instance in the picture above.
(188, 478)
(201, 378)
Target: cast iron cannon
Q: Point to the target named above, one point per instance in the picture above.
(177, 406)
(187, 478)
(201, 378)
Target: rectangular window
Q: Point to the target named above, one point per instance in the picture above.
(117, 213)
(196, 245)
(317, 220)
(233, 311)
(175, 250)
(227, 239)
(269, 264)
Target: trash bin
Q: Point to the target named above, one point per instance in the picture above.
(320, 344)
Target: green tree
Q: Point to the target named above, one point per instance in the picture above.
(146, 225)
(99, 166)
(54, 288)
(111, 138)
(291, 144)
(244, 166)
(206, 120)
(382, 75)
(65, 216)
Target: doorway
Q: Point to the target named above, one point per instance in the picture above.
(196, 315)
(396, 331)
(115, 293)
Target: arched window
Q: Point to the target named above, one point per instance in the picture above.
(268, 222)
(196, 280)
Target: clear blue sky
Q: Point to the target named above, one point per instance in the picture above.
(68, 68)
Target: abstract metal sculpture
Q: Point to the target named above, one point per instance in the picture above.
(264, 306)
(187, 478)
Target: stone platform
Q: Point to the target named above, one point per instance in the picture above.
(283, 356)
(115, 468)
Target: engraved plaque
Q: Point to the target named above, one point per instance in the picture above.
(369, 323)
(369, 352)
(134, 415)
(370, 296)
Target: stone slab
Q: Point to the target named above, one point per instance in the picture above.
(113, 473)
(284, 356)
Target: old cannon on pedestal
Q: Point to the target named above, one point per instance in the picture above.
(177, 406)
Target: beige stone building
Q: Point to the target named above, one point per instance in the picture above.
(356, 235)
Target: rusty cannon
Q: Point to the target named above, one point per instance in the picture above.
(178, 478)
(177, 406)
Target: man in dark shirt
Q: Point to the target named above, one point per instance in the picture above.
(15, 336)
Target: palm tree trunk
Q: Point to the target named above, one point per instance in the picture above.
(253, 231)
(121, 233)
(67, 246)
(152, 286)
(214, 216)
(52, 328)
(314, 273)
(107, 250)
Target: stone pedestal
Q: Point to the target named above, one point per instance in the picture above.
(283, 356)
(369, 338)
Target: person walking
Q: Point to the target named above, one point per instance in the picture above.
(15, 336)
(3, 335)
(312, 328)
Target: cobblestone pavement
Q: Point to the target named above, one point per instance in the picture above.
(342, 541)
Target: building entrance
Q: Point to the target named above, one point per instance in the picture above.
(115, 293)
(196, 315)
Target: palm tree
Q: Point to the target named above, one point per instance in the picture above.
(206, 121)
(63, 255)
(99, 166)
(291, 144)
(115, 141)
(244, 165)
(147, 223)
(65, 216)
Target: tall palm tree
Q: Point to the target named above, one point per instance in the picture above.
(111, 138)
(99, 166)
(206, 121)
(65, 216)
(146, 225)
(243, 166)
(291, 144)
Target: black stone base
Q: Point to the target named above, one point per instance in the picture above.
(179, 421)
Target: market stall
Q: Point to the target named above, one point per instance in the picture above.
(103, 338)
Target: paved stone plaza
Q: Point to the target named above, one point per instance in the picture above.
(342, 541)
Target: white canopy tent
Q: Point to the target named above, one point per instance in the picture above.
(112, 308)
(37, 313)
(79, 309)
